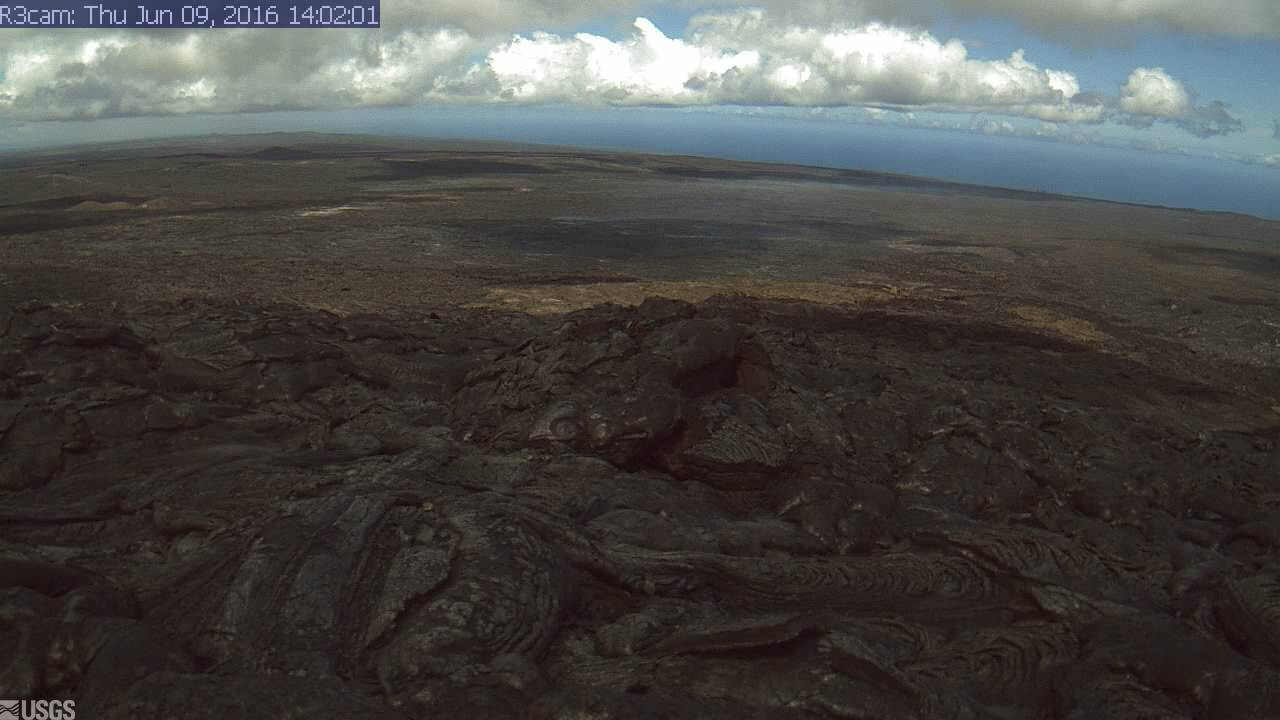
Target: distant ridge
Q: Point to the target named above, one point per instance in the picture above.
(280, 152)
(309, 145)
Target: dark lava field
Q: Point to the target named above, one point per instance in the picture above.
(342, 427)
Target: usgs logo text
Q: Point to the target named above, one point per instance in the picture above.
(37, 710)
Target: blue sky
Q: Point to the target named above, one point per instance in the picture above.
(1172, 77)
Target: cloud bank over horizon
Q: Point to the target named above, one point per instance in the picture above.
(733, 57)
(1076, 18)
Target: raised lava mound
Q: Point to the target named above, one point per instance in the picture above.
(730, 510)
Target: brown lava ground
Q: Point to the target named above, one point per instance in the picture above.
(336, 426)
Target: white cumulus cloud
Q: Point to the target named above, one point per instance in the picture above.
(747, 57)
(647, 68)
(69, 74)
(1151, 94)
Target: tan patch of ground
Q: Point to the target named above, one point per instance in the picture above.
(433, 196)
(1199, 275)
(986, 251)
(551, 299)
(163, 203)
(327, 211)
(1071, 328)
(94, 206)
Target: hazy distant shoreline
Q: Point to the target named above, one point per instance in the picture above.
(1086, 171)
